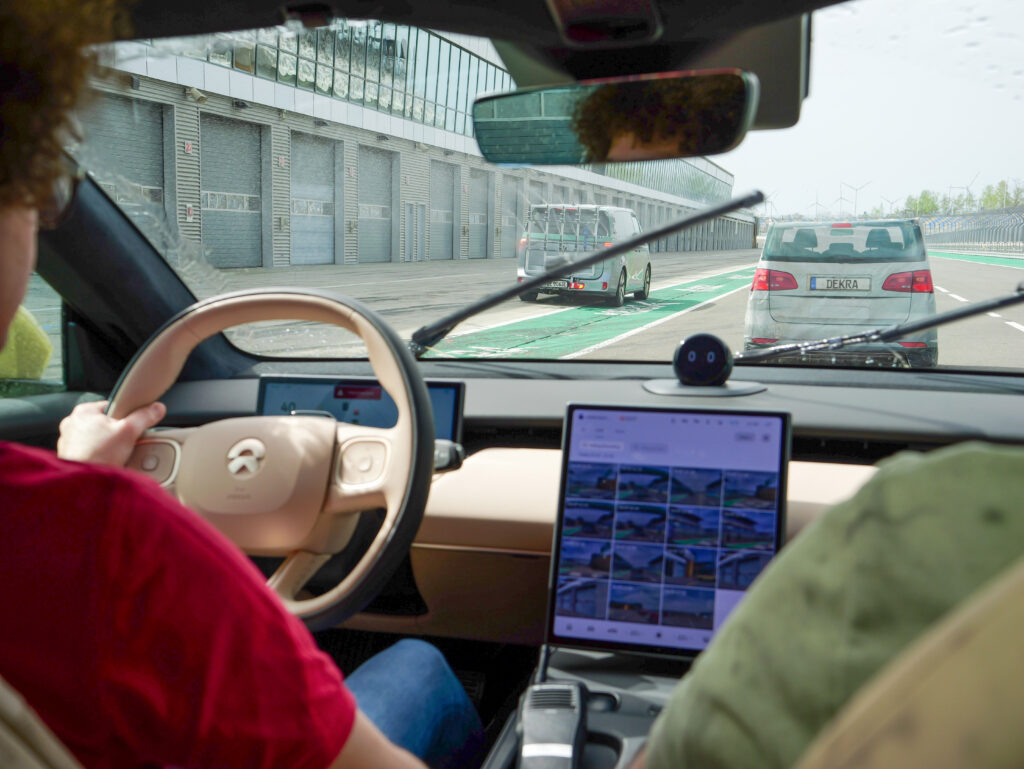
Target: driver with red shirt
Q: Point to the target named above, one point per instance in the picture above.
(137, 632)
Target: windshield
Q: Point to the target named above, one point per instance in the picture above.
(343, 158)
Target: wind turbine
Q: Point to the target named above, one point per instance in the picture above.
(855, 191)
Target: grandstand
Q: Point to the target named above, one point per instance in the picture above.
(997, 231)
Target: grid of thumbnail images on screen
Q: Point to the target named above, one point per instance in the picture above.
(651, 545)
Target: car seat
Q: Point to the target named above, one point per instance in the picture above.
(878, 238)
(841, 249)
(804, 240)
(952, 698)
(25, 742)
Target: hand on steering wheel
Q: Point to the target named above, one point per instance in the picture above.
(292, 485)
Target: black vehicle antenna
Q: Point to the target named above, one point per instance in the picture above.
(428, 336)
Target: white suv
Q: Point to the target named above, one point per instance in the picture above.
(816, 280)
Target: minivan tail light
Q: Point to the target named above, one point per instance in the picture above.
(607, 245)
(913, 345)
(773, 280)
(918, 282)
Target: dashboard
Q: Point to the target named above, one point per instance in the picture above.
(484, 545)
(356, 401)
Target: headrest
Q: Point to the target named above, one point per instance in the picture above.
(805, 238)
(878, 238)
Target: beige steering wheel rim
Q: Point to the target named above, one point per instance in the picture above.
(358, 468)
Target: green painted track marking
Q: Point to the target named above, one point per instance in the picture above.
(566, 332)
(999, 261)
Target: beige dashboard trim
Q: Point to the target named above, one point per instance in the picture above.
(507, 499)
(494, 550)
(482, 554)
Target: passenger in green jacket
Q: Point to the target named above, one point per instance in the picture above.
(840, 602)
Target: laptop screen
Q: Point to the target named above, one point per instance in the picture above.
(665, 518)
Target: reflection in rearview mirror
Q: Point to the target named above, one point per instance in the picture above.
(672, 115)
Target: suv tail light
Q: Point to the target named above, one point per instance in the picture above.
(918, 282)
(773, 280)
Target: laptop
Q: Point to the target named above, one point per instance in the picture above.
(666, 516)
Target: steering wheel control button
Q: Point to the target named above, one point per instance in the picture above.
(246, 457)
(155, 459)
(363, 462)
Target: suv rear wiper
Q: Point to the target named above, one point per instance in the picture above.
(883, 333)
(428, 336)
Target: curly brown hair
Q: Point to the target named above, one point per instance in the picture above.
(44, 61)
(702, 112)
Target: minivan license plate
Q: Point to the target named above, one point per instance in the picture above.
(557, 284)
(823, 283)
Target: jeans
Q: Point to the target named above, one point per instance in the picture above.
(411, 695)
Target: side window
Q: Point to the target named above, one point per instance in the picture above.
(31, 359)
(637, 229)
(623, 227)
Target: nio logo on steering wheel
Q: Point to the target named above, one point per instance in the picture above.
(245, 457)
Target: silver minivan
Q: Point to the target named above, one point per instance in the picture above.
(823, 279)
(560, 232)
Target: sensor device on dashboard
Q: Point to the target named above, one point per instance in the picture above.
(665, 518)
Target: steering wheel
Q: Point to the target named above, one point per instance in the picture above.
(292, 486)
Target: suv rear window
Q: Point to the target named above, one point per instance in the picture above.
(845, 242)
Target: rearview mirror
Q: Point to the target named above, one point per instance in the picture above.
(670, 115)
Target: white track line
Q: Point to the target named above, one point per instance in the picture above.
(652, 324)
(555, 310)
(943, 290)
(957, 297)
(993, 314)
(1017, 326)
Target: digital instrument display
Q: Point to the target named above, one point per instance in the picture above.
(357, 401)
(665, 518)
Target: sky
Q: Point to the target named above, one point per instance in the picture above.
(904, 96)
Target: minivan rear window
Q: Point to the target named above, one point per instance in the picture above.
(567, 228)
(845, 242)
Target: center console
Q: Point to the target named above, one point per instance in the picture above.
(665, 518)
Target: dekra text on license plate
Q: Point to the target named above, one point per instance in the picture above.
(825, 283)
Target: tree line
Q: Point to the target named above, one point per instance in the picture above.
(994, 197)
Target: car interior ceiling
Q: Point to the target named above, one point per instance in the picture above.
(688, 25)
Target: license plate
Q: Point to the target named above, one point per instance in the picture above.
(824, 283)
(557, 284)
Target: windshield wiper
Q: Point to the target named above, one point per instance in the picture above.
(883, 333)
(428, 336)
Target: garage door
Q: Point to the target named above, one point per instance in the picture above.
(478, 201)
(229, 155)
(374, 204)
(538, 192)
(511, 216)
(125, 137)
(442, 214)
(312, 200)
